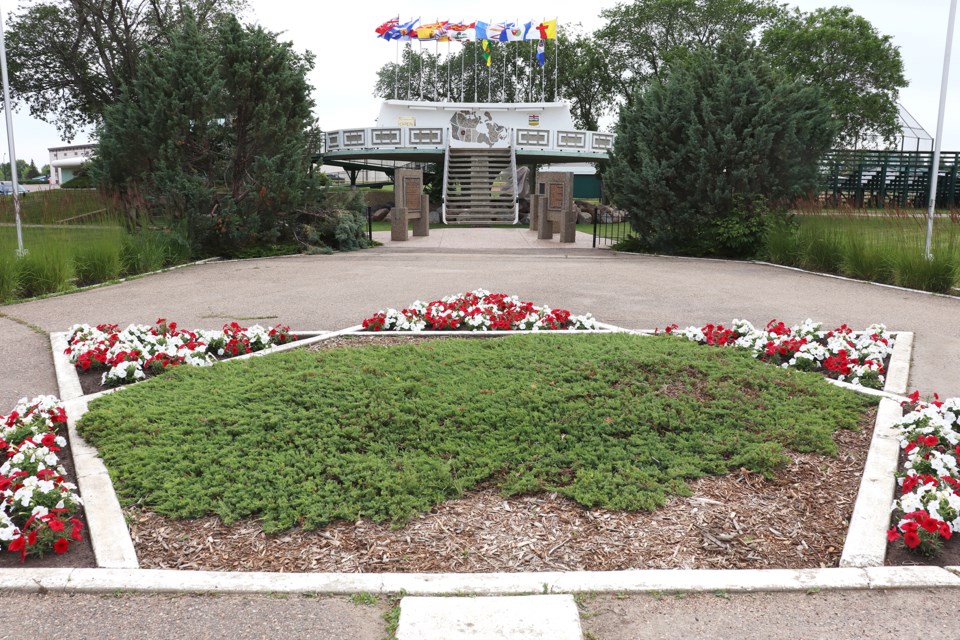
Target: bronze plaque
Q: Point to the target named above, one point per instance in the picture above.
(411, 193)
(555, 197)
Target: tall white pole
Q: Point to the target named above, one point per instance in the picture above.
(13, 154)
(935, 169)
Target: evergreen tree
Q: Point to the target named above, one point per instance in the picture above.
(214, 131)
(706, 152)
(32, 171)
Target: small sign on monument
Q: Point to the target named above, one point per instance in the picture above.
(406, 121)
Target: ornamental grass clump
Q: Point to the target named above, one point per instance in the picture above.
(44, 270)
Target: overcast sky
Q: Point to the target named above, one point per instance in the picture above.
(349, 53)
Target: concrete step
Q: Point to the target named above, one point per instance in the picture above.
(550, 617)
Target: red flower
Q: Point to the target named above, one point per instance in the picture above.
(75, 532)
(930, 441)
(56, 525)
(911, 539)
(892, 534)
(61, 545)
(17, 544)
(945, 531)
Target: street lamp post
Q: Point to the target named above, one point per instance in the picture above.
(935, 169)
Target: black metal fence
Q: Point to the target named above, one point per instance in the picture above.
(608, 230)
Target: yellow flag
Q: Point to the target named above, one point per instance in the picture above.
(550, 31)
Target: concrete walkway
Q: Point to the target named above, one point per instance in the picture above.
(328, 292)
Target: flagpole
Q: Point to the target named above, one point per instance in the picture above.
(409, 70)
(530, 83)
(556, 66)
(475, 73)
(436, 57)
(503, 82)
(935, 167)
(396, 75)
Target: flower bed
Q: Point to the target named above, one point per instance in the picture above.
(841, 354)
(477, 310)
(928, 509)
(137, 351)
(40, 508)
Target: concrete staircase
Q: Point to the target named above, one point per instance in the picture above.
(480, 187)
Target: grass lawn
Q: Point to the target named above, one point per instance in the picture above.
(54, 206)
(69, 239)
(306, 438)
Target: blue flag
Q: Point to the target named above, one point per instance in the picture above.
(541, 54)
(482, 31)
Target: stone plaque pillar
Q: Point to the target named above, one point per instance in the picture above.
(411, 205)
(553, 203)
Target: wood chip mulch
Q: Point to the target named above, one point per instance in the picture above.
(741, 520)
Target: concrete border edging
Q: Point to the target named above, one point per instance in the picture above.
(898, 372)
(67, 380)
(106, 526)
(627, 582)
(866, 541)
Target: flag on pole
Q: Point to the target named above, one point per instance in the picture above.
(487, 56)
(481, 30)
(541, 53)
(402, 31)
(514, 34)
(387, 26)
(548, 29)
(505, 32)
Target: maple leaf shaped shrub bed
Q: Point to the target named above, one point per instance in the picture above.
(309, 437)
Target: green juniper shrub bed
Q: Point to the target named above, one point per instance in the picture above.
(307, 438)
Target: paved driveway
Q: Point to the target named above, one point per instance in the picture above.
(328, 292)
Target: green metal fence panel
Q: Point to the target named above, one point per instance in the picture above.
(888, 179)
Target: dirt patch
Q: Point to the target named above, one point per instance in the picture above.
(79, 555)
(798, 520)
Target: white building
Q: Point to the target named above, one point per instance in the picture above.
(65, 162)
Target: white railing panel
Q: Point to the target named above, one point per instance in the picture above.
(392, 137)
(424, 137)
(572, 140)
(354, 138)
(602, 141)
(533, 138)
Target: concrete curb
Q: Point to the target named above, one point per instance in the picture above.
(640, 581)
(866, 541)
(898, 373)
(67, 380)
(106, 525)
